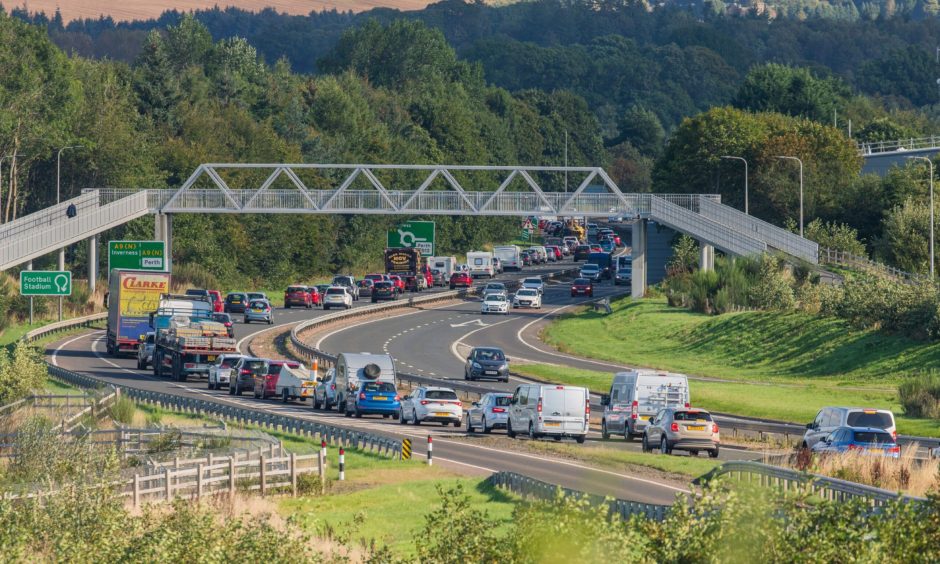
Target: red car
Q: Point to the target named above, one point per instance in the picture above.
(426, 270)
(298, 296)
(461, 279)
(582, 287)
(218, 305)
(556, 250)
(596, 249)
(266, 383)
(398, 282)
(377, 277)
(315, 297)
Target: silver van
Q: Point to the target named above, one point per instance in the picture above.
(549, 411)
(636, 395)
(831, 418)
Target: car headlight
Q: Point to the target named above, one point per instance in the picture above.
(477, 365)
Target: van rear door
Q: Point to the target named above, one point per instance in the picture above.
(658, 392)
(563, 409)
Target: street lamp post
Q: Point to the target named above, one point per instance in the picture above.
(566, 161)
(797, 159)
(58, 169)
(743, 160)
(930, 164)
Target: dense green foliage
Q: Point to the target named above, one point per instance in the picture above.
(22, 371)
(920, 397)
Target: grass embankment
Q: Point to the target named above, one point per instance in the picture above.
(782, 365)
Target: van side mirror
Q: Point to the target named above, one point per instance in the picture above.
(811, 425)
(508, 359)
(605, 400)
(514, 401)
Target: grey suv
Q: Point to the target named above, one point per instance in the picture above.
(348, 282)
(243, 375)
(674, 428)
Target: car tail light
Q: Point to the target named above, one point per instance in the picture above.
(190, 365)
(894, 435)
(855, 447)
(714, 427)
(499, 410)
(362, 395)
(587, 410)
(397, 397)
(634, 409)
(674, 427)
(425, 402)
(245, 372)
(539, 407)
(333, 387)
(895, 449)
(688, 405)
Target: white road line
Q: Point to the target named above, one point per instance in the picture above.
(552, 353)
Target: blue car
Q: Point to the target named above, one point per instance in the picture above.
(608, 246)
(863, 440)
(373, 398)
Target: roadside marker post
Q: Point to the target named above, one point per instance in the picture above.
(406, 449)
(430, 451)
(342, 464)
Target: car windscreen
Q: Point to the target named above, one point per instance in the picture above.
(874, 419)
(490, 354)
(378, 387)
(383, 285)
(495, 287)
(590, 267)
(335, 291)
(228, 363)
(292, 289)
(254, 365)
(440, 395)
(527, 292)
(502, 400)
(872, 437)
(235, 297)
(496, 298)
(342, 280)
(221, 317)
(255, 296)
(258, 304)
(365, 283)
(692, 416)
(535, 281)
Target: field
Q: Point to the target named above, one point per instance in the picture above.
(147, 9)
(760, 364)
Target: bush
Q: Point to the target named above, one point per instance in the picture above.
(194, 275)
(920, 396)
(835, 236)
(21, 372)
(772, 290)
(122, 410)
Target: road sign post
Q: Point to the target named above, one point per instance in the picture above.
(45, 283)
(417, 234)
(136, 255)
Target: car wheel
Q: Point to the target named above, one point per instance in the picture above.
(605, 434)
(347, 413)
(693, 453)
(469, 424)
(245, 321)
(401, 417)
(270, 322)
(713, 453)
(646, 444)
(664, 447)
(414, 418)
(285, 396)
(211, 385)
(456, 424)
(626, 433)
(486, 430)
(509, 432)
(231, 389)
(358, 413)
(579, 439)
(532, 434)
(316, 402)
(506, 380)
(286, 305)
(238, 390)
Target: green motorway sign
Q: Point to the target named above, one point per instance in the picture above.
(45, 283)
(136, 255)
(418, 234)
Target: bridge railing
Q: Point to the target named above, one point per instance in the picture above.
(876, 147)
(48, 217)
(704, 229)
(775, 237)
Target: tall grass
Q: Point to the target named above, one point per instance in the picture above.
(906, 474)
(920, 396)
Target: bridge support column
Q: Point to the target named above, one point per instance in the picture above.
(706, 259)
(638, 282)
(163, 231)
(92, 263)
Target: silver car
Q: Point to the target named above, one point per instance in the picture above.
(324, 396)
(259, 310)
(491, 412)
(684, 428)
(145, 351)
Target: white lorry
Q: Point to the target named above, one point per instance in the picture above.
(481, 264)
(510, 256)
(352, 368)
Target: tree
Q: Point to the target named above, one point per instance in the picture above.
(156, 84)
(905, 241)
(642, 129)
(794, 91)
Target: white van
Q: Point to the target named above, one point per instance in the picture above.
(510, 256)
(549, 410)
(352, 368)
(636, 395)
(447, 265)
(481, 264)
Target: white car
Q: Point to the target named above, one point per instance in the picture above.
(220, 371)
(337, 296)
(534, 283)
(591, 272)
(495, 303)
(527, 297)
(435, 405)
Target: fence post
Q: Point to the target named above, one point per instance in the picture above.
(293, 474)
(430, 451)
(136, 491)
(263, 484)
(231, 477)
(342, 464)
(169, 485)
(321, 466)
(199, 481)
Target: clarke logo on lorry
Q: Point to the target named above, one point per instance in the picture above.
(132, 283)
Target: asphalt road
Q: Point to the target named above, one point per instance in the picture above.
(86, 354)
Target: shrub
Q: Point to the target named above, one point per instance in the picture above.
(772, 291)
(920, 396)
(835, 236)
(455, 532)
(195, 275)
(167, 441)
(21, 372)
(122, 410)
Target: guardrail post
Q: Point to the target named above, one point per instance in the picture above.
(342, 464)
(430, 451)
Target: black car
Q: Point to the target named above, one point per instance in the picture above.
(486, 362)
(384, 291)
(582, 252)
(243, 375)
(236, 302)
(526, 258)
(225, 319)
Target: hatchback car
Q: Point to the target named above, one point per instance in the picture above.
(384, 291)
(591, 271)
(349, 283)
(365, 288)
(337, 296)
(435, 405)
(265, 383)
(297, 296)
(486, 362)
(259, 310)
(243, 374)
(860, 440)
(534, 283)
(324, 396)
(225, 319)
(398, 282)
(258, 296)
(491, 412)
(373, 398)
(495, 303)
(235, 302)
(556, 251)
(526, 257)
(686, 429)
(581, 252)
(220, 371)
(218, 304)
(321, 290)
(493, 288)
(527, 297)
(624, 276)
(607, 245)
(145, 350)
(461, 280)
(582, 287)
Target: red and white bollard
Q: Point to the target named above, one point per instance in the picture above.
(430, 451)
(342, 464)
